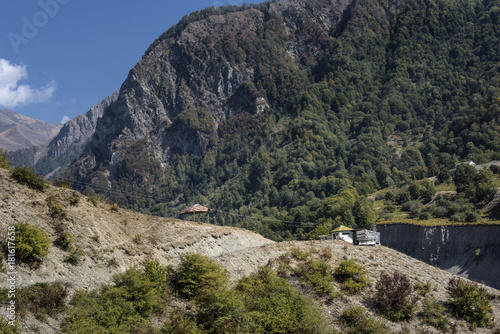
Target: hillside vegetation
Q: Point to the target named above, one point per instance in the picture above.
(372, 94)
(141, 274)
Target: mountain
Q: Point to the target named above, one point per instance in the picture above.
(296, 110)
(18, 131)
(104, 241)
(53, 156)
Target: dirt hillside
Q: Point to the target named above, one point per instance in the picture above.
(114, 240)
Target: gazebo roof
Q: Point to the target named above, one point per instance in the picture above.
(342, 228)
(194, 209)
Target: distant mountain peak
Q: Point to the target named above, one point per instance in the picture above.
(18, 131)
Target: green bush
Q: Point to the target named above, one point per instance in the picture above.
(273, 306)
(156, 272)
(181, 323)
(351, 276)
(195, 120)
(196, 272)
(319, 275)
(433, 313)
(29, 178)
(423, 289)
(299, 254)
(75, 255)
(470, 302)
(57, 211)
(32, 244)
(4, 162)
(392, 296)
(42, 299)
(357, 321)
(5, 328)
(74, 199)
(120, 308)
(98, 198)
(64, 240)
(220, 310)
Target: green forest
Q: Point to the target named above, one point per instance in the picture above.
(387, 103)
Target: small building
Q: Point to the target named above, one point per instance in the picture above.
(366, 237)
(194, 210)
(343, 233)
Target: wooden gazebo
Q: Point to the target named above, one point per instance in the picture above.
(194, 210)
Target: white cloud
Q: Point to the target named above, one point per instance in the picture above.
(65, 119)
(13, 94)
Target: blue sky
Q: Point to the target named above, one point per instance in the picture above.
(60, 57)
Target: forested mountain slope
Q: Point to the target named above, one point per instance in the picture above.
(296, 110)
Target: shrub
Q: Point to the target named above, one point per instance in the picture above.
(156, 272)
(392, 296)
(423, 289)
(351, 276)
(98, 198)
(29, 178)
(74, 199)
(42, 299)
(319, 230)
(32, 244)
(389, 196)
(299, 254)
(120, 308)
(357, 321)
(470, 302)
(319, 275)
(64, 240)
(57, 211)
(197, 272)
(220, 310)
(75, 255)
(4, 162)
(180, 322)
(402, 196)
(115, 207)
(326, 253)
(284, 267)
(433, 314)
(273, 306)
(6, 328)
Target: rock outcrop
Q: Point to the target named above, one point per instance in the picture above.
(469, 251)
(199, 67)
(51, 157)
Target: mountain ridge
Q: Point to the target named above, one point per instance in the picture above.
(53, 156)
(18, 131)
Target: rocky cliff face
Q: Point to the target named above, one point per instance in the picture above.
(78, 130)
(52, 157)
(18, 131)
(469, 251)
(196, 67)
